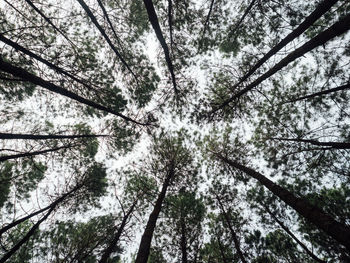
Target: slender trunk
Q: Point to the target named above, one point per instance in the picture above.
(312, 255)
(206, 23)
(55, 203)
(32, 231)
(49, 21)
(332, 145)
(233, 233)
(12, 136)
(316, 216)
(183, 242)
(233, 31)
(25, 75)
(335, 30)
(42, 60)
(94, 20)
(145, 245)
(152, 16)
(28, 154)
(324, 92)
(109, 250)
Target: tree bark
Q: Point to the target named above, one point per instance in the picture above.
(145, 245)
(152, 16)
(316, 216)
(25, 75)
(323, 92)
(94, 20)
(13, 136)
(29, 154)
(108, 251)
(233, 233)
(332, 145)
(312, 255)
(337, 29)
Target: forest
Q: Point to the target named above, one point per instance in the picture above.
(174, 131)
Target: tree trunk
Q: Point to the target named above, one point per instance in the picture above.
(312, 255)
(324, 92)
(108, 251)
(145, 245)
(94, 20)
(13, 136)
(233, 233)
(28, 154)
(152, 16)
(206, 23)
(25, 75)
(332, 145)
(323, 221)
(183, 242)
(337, 29)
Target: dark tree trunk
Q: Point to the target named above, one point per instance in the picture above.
(238, 24)
(152, 16)
(324, 92)
(206, 23)
(29, 154)
(113, 244)
(183, 242)
(25, 75)
(49, 21)
(323, 221)
(13, 136)
(145, 245)
(337, 29)
(312, 255)
(34, 228)
(331, 145)
(233, 233)
(94, 20)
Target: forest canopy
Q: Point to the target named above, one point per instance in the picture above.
(174, 131)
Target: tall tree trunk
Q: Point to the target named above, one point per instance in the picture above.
(94, 20)
(183, 242)
(25, 75)
(316, 216)
(28, 154)
(312, 255)
(145, 245)
(55, 203)
(42, 60)
(238, 24)
(206, 23)
(337, 29)
(113, 244)
(323, 92)
(49, 21)
(13, 136)
(35, 227)
(233, 233)
(332, 145)
(152, 16)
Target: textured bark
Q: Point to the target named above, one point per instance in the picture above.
(152, 16)
(280, 223)
(113, 244)
(233, 233)
(311, 213)
(35, 227)
(55, 203)
(145, 245)
(13, 136)
(94, 20)
(331, 145)
(29, 154)
(49, 21)
(21, 73)
(335, 30)
(238, 24)
(42, 60)
(323, 92)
